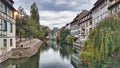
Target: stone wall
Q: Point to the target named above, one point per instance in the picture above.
(29, 51)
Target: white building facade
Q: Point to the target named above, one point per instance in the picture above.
(74, 28)
(67, 26)
(99, 11)
(88, 20)
(114, 7)
(7, 26)
(85, 24)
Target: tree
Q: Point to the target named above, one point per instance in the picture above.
(28, 26)
(35, 13)
(102, 42)
(70, 39)
(43, 31)
(63, 35)
(19, 22)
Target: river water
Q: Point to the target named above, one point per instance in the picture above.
(50, 55)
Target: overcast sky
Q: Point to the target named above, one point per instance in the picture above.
(56, 13)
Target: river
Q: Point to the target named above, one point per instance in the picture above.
(50, 55)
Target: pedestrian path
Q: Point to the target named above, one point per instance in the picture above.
(27, 43)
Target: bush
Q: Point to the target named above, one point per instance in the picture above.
(70, 39)
(102, 41)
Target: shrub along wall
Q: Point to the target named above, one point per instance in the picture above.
(101, 43)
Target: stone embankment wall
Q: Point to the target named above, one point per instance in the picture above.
(28, 49)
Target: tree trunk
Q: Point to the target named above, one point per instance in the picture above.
(20, 36)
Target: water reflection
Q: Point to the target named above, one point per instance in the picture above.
(66, 51)
(50, 55)
(22, 63)
(53, 57)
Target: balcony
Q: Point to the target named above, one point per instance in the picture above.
(6, 17)
(3, 33)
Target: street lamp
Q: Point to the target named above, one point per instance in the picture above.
(15, 14)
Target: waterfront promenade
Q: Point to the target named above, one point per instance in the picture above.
(24, 49)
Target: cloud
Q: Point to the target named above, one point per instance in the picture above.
(55, 19)
(56, 12)
(56, 5)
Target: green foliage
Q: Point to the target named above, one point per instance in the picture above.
(43, 31)
(102, 41)
(58, 39)
(63, 35)
(66, 51)
(69, 39)
(22, 26)
(28, 26)
(35, 13)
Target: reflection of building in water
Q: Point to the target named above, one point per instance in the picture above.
(75, 60)
(54, 45)
(54, 33)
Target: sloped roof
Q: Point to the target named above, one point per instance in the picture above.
(83, 13)
(9, 5)
(118, 2)
(79, 16)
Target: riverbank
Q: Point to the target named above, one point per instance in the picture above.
(24, 49)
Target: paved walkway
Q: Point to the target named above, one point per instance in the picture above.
(28, 49)
(27, 43)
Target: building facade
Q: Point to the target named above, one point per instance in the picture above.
(67, 26)
(99, 11)
(87, 20)
(85, 24)
(114, 7)
(74, 27)
(76, 30)
(7, 26)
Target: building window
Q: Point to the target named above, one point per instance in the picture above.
(86, 31)
(90, 23)
(11, 42)
(11, 27)
(5, 43)
(113, 10)
(4, 25)
(4, 8)
(90, 29)
(86, 24)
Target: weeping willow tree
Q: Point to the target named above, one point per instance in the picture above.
(101, 43)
